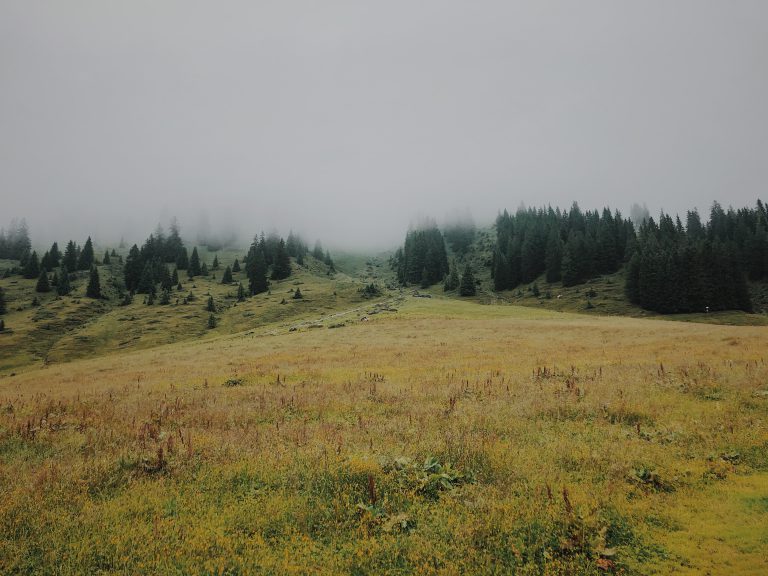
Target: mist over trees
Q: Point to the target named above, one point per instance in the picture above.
(699, 267)
(571, 246)
(423, 259)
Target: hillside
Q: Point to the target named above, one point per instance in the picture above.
(65, 328)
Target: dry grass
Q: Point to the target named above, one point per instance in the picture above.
(446, 438)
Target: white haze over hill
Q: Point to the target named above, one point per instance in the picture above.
(348, 120)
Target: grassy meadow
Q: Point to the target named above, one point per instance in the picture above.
(435, 436)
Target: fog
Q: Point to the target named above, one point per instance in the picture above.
(347, 121)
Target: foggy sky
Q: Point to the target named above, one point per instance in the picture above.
(348, 120)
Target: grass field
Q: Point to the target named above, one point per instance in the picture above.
(438, 436)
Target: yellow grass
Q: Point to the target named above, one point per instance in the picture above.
(559, 444)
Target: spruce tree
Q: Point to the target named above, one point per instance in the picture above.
(256, 269)
(211, 322)
(165, 297)
(3, 305)
(70, 256)
(106, 260)
(175, 277)
(55, 255)
(298, 295)
(45, 262)
(204, 270)
(182, 259)
(86, 259)
(133, 269)
(226, 278)
(210, 306)
(215, 265)
(93, 290)
(63, 287)
(240, 293)
(2, 325)
(194, 264)
(282, 266)
(146, 283)
(554, 258)
(236, 266)
(452, 280)
(32, 267)
(467, 286)
(42, 282)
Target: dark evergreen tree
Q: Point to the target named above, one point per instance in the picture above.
(146, 284)
(554, 257)
(204, 270)
(281, 268)
(226, 278)
(32, 267)
(452, 280)
(215, 265)
(210, 305)
(298, 295)
(93, 290)
(63, 286)
(182, 260)
(317, 252)
(54, 255)
(106, 261)
(70, 256)
(211, 322)
(42, 282)
(134, 267)
(194, 264)
(240, 293)
(45, 262)
(175, 277)
(3, 304)
(165, 297)
(256, 268)
(86, 257)
(236, 266)
(467, 286)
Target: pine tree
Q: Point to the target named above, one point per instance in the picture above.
(32, 267)
(55, 255)
(298, 295)
(211, 322)
(282, 266)
(70, 256)
(194, 264)
(165, 297)
(554, 258)
(146, 283)
(175, 277)
(42, 282)
(204, 270)
(93, 289)
(45, 262)
(63, 287)
(3, 305)
(210, 305)
(86, 259)
(236, 266)
(467, 286)
(226, 278)
(106, 260)
(240, 293)
(134, 268)
(182, 259)
(2, 325)
(452, 280)
(215, 265)
(256, 268)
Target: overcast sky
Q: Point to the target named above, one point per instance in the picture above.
(348, 120)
